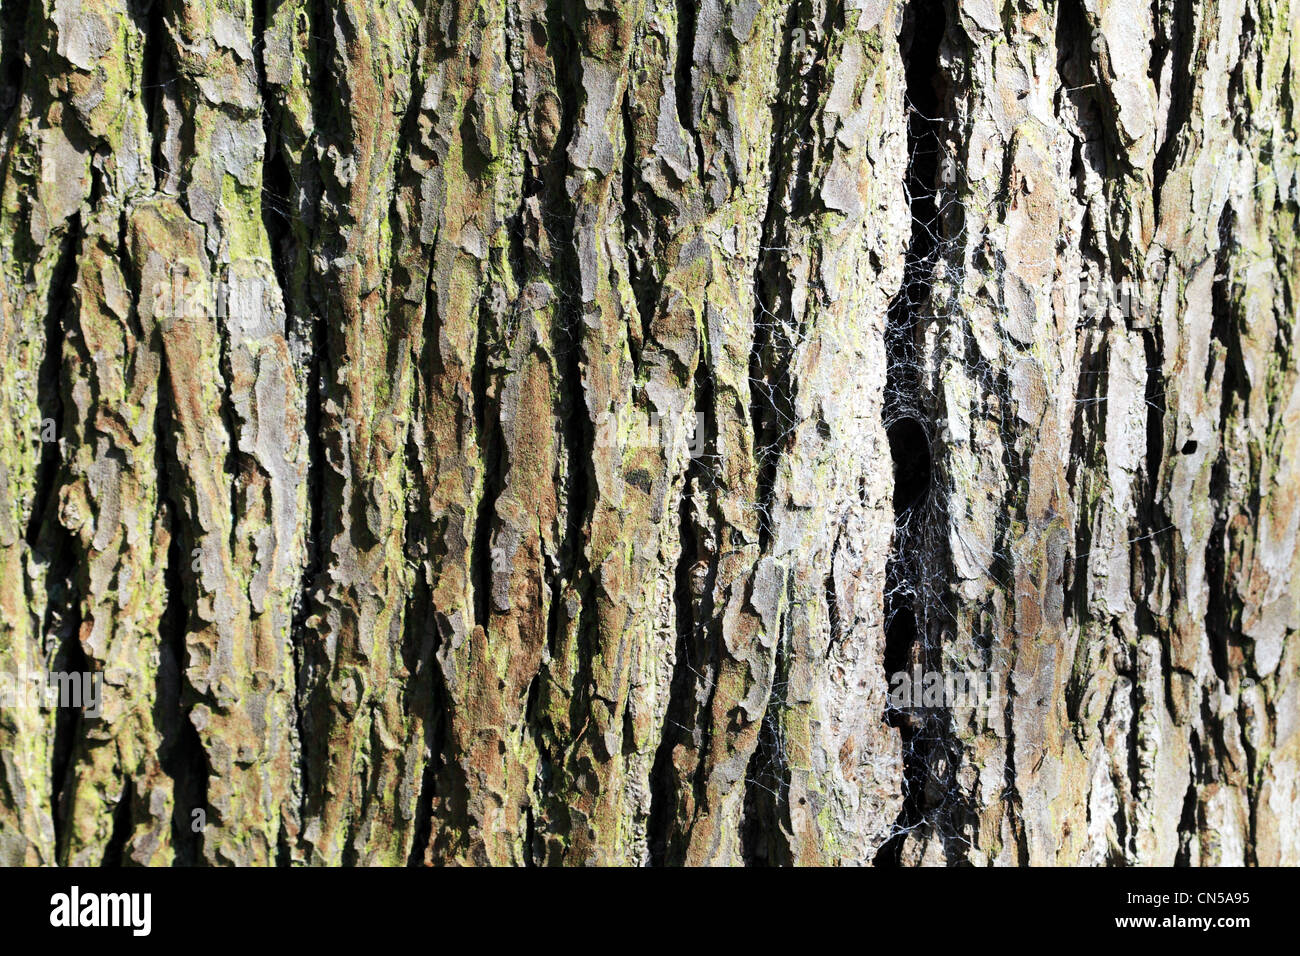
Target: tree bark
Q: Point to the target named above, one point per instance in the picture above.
(522, 432)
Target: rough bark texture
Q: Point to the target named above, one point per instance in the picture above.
(534, 431)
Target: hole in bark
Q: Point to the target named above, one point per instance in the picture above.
(910, 448)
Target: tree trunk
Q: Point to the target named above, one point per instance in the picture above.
(508, 431)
